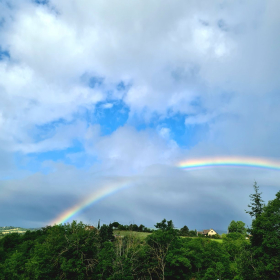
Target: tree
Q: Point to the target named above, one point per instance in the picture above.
(193, 233)
(141, 228)
(133, 227)
(10, 241)
(237, 226)
(165, 225)
(265, 241)
(115, 224)
(256, 203)
(106, 233)
(184, 231)
(159, 243)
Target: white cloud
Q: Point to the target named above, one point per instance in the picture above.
(128, 151)
(62, 138)
(212, 49)
(107, 105)
(199, 119)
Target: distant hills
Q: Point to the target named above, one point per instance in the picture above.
(11, 229)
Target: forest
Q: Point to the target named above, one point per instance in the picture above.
(79, 251)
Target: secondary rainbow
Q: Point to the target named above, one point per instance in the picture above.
(230, 162)
(190, 164)
(96, 196)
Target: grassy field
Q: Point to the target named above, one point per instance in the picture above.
(218, 240)
(143, 235)
(12, 230)
(122, 233)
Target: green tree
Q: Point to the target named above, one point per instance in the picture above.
(178, 265)
(184, 231)
(237, 247)
(133, 227)
(115, 224)
(106, 233)
(165, 225)
(237, 226)
(141, 228)
(160, 242)
(256, 203)
(11, 241)
(193, 233)
(105, 267)
(204, 254)
(68, 252)
(265, 241)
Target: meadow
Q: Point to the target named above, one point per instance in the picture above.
(143, 235)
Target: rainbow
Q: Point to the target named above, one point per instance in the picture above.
(190, 164)
(230, 162)
(91, 199)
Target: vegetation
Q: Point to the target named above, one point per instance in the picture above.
(78, 251)
(237, 226)
(11, 229)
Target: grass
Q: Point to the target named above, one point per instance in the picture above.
(12, 231)
(218, 240)
(143, 235)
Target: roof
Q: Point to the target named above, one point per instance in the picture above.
(205, 231)
(89, 227)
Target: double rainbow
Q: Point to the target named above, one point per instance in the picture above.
(187, 165)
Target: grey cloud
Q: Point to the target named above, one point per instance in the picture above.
(198, 198)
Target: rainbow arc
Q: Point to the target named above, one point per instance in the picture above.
(230, 162)
(190, 164)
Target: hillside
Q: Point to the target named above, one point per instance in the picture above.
(11, 229)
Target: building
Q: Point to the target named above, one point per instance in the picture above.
(89, 228)
(208, 232)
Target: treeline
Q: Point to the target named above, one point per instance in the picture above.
(131, 227)
(78, 251)
(75, 251)
(184, 231)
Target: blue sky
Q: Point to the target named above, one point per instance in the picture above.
(94, 92)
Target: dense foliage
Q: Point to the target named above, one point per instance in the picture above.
(78, 251)
(237, 226)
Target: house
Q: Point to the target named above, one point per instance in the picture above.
(89, 228)
(208, 232)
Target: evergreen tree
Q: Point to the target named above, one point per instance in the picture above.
(265, 241)
(165, 225)
(256, 203)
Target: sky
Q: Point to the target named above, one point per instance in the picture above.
(109, 97)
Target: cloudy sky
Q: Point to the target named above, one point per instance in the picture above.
(98, 92)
